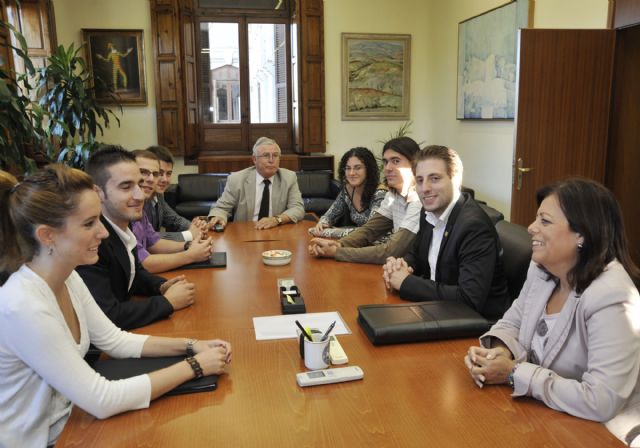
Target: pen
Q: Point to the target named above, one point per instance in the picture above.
(326, 333)
(304, 332)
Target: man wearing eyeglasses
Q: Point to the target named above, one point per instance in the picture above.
(157, 254)
(264, 193)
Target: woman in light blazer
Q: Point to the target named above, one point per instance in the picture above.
(572, 338)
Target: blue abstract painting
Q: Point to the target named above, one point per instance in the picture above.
(487, 59)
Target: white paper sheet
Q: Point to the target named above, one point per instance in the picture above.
(284, 326)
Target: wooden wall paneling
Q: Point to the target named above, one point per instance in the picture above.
(311, 63)
(563, 106)
(626, 13)
(6, 58)
(170, 110)
(189, 90)
(623, 157)
(34, 20)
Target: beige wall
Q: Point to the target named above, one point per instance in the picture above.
(374, 16)
(486, 147)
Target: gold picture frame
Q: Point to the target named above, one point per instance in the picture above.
(116, 59)
(376, 76)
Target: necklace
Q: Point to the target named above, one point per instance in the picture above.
(351, 195)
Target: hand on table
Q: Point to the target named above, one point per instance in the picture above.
(200, 250)
(394, 271)
(202, 346)
(267, 223)
(318, 228)
(180, 293)
(489, 365)
(322, 247)
(217, 220)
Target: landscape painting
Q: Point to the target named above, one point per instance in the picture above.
(375, 76)
(487, 63)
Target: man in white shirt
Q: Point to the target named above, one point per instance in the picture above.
(456, 255)
(399, 214)
(264, 193)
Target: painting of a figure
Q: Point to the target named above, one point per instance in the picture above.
(487, 58)
(116, 58)
(375, 78)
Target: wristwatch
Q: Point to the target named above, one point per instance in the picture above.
(279, 219)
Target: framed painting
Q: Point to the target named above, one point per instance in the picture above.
(116, 59)
(376, 72)
(487, 62)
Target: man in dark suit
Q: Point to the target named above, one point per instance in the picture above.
(456, 255)
(161, 214)
(118, 273)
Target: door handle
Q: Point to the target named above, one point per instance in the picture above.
(521, 170)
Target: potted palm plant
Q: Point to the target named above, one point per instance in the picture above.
(75, 116)
(21, 132)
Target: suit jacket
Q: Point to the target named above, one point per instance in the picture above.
(108, 281)
(162, 215)
(591, 363)
(469, 268)
(239, 196)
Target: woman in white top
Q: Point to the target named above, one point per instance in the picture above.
(572, 338)
(49, 224)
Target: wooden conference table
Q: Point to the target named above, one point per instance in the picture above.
(411, 395)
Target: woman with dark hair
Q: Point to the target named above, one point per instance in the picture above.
(359, 197)
(49, 225)
(398, 214)
(572, 338)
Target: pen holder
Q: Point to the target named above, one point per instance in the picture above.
(315, 353)
(291, 301)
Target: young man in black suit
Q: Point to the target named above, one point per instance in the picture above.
(118, 273)
(161, 214)
(456, 254)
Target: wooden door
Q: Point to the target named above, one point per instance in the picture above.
(623, 162)
(562, 118)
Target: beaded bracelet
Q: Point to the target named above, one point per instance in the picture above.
(195, 365)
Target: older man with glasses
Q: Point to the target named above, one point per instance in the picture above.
(264, 193)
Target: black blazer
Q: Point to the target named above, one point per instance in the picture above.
(108, 281)
(469, 266)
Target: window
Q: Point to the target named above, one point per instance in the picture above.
(244, 79)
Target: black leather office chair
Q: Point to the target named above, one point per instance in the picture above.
(516, 254)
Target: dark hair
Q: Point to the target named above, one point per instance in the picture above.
(372, 178)
(100, 161)
(402, 145)
(594, 213)
(449, 156)
(48, 197)
(162, 153)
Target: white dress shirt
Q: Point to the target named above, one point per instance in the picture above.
(130, 242)
(439, 224)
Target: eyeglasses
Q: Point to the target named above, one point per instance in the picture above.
(146, 173)
(268, 156)
(355, 169)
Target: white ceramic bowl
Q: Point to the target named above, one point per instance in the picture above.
(276, 257)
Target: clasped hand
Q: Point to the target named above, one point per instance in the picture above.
(322, 247)
(489, 365)
(213, 355)
(394, 271)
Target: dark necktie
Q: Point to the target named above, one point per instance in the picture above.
(264, 205)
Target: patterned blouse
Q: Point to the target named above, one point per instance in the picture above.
(342, 206)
